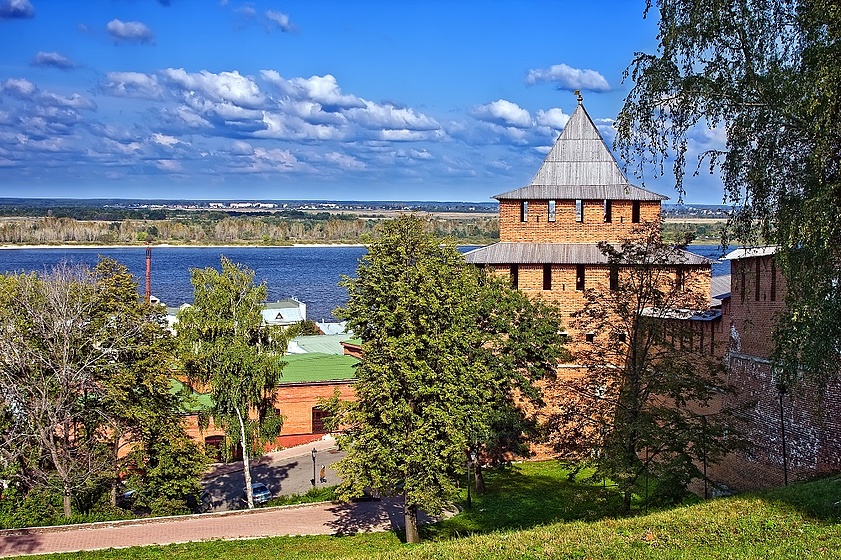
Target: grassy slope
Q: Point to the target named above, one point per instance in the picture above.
(562, 519)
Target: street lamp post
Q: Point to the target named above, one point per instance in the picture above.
(314, 451)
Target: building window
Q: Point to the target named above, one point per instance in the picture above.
(319, 416)
(551, 217)
(589, 337)
(515, 276)
(635, 211)
(622, 337)
(608, 211)
(579, 277)
(758, 273)
(773, 280)
(524, 211)
(742, 281)
(547, 276)
(614, 278)
(579, 210)
(680, 279)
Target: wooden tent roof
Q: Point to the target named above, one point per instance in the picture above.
(580, 166)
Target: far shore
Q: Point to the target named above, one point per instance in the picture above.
(177, 246)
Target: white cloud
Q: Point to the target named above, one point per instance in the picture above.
(389, 117)
(165, 140)
(53, 59)
(224, 86)
(554, 118)
(323, 90)
(18, 87)
(569, 78)
(129, 31)
(344, 161)
(16, 9)
(280, 19)
(132, 84)
(75, 101)
(169, 165)
(503, 112)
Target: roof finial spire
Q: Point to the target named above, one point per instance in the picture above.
(578, 93)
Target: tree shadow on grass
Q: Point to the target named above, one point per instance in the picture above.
(515, 500)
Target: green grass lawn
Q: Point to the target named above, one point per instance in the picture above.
(533, 511)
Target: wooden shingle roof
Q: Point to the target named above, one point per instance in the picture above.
(556, 253)
(580, 166)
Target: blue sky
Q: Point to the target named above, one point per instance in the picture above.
(306, 99)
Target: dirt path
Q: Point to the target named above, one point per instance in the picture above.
(316, 519)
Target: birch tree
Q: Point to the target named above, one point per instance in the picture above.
(226, 349)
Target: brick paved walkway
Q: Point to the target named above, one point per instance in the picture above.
(316, 519)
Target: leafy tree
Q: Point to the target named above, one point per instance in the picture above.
(767, 73)
(641, 405)
(84, 370)
(226, 348)
(138, 404)
(431, 336)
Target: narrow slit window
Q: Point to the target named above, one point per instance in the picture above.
(758, 275)
(579, 277)
(515, 276)
(773, 281)
(680, 279)
(635, 212)
(524, 211)
(547, 276)
(551, 215)
(742, 278)
(608, 211)
(579, 210)
(614, 278)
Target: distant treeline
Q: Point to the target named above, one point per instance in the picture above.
(210, 229)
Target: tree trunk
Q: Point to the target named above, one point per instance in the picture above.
(480, 478)
(410, 514)
(626, 501)
(246, 465)
(68, 507)
(116, 478)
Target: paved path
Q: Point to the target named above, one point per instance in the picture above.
(284, 472)
(316, 519)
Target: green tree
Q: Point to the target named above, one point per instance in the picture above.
(142, 412)
(430, 333)
(767, 73)
(641, 406)
(84, 370)
(226, 348)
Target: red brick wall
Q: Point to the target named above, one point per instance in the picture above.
(565, 229)
(295, 403)
(812, 417)
(752, 319)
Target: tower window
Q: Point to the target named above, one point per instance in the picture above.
(635, 212)
(524, 211)
(579, 210)
(547, 276)
(579, 277)
(614, 278)
(773, 280)
(608, 211)
(551, 216)
(515, 276)
(758, 274)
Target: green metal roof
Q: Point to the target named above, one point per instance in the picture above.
(315, 367)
